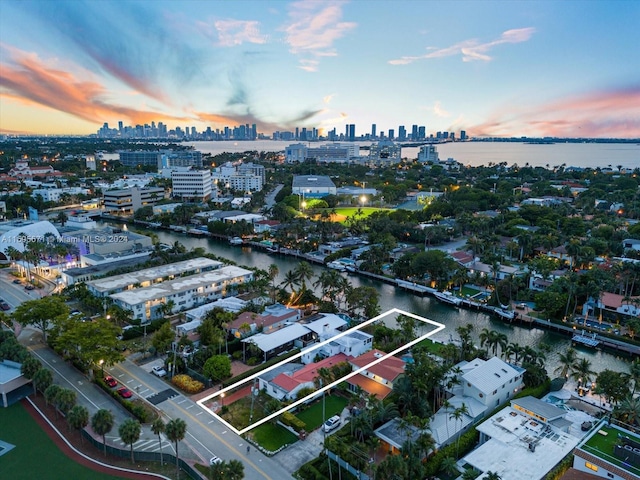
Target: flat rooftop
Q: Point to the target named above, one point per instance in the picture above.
(602, 446)
(179, 285)
(507, 452)
(152, 274)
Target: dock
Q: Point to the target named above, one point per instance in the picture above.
(588, 341)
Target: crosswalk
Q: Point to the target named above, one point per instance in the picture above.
(144, 445)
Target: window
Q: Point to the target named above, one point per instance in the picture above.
(591, 466)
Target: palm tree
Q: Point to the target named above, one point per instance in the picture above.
(157, 427)
(634, 370)
(234, 470)
(102, 423)
(272, 274)
(492, 476)
(304, 272)
(78, 418)
(42, 379)
(458, 414)
(582, 370)
(176, 430)
(629, 410)
(565, 363)
(129, 432)
(449, 467)
(29, 368)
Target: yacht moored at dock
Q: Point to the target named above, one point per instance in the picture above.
(448, 298)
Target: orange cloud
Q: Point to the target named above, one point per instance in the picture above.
(30, 81)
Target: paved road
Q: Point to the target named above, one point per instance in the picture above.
(206, 436)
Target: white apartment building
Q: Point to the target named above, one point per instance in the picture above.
(55, 194)
(191, 184)
(246, 177)
(150, 276)
(331, 153)
(185, 292)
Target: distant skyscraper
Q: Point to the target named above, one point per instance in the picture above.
(422, 133)
(391, 134)
(120, 126)
(402, 133)
(463, 135)
(373, 130)
(352, 132)
(414, 132)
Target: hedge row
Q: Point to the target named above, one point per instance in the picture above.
(466, 443)
(292, 421)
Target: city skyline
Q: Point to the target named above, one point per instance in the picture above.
(490, 68)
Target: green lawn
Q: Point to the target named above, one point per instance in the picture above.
(312, 416)
(603, 446)
(35, 455)
(350, 211)
(271, 437)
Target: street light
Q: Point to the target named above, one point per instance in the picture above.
(222, 400)
(101, 362)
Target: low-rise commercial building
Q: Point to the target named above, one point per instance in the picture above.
(131, 199)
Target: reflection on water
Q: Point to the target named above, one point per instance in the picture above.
(428, 307)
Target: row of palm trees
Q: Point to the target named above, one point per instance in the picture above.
(102, 422)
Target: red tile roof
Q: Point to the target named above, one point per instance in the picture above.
(389, 369)
(308, 373)
(370, 386)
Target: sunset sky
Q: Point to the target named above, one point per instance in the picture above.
(507, 68)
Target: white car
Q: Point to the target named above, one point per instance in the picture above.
(213, 460)
(332, 424)
(159, 371)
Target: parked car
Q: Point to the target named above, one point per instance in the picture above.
(124, 392)
(213, 460)
(332, 423)
(4, 305)
(109, 380)
(29, 287)
(159, 371)
(17, 281)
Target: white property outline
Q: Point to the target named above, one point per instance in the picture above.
(439, 327)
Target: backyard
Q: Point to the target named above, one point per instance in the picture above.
(603, 446)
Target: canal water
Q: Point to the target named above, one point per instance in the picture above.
(429, 307)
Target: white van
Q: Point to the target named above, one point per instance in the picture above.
(332, 423)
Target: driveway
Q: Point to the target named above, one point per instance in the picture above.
(303, 451)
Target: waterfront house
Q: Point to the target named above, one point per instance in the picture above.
(286, 383)
(376, 379)
(527, 439)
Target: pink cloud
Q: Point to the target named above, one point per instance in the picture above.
(602, 114)
(314, 27)
(231, 32)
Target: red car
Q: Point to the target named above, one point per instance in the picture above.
(124, 392)
(109, 380)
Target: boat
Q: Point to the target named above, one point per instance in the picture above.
(504, 314)
(274, 249)
(448, 297)
(341, 267)
(236, 241)
(351, 269)
(196, 232)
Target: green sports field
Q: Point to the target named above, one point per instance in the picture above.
(35, 455)
(341, 213)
